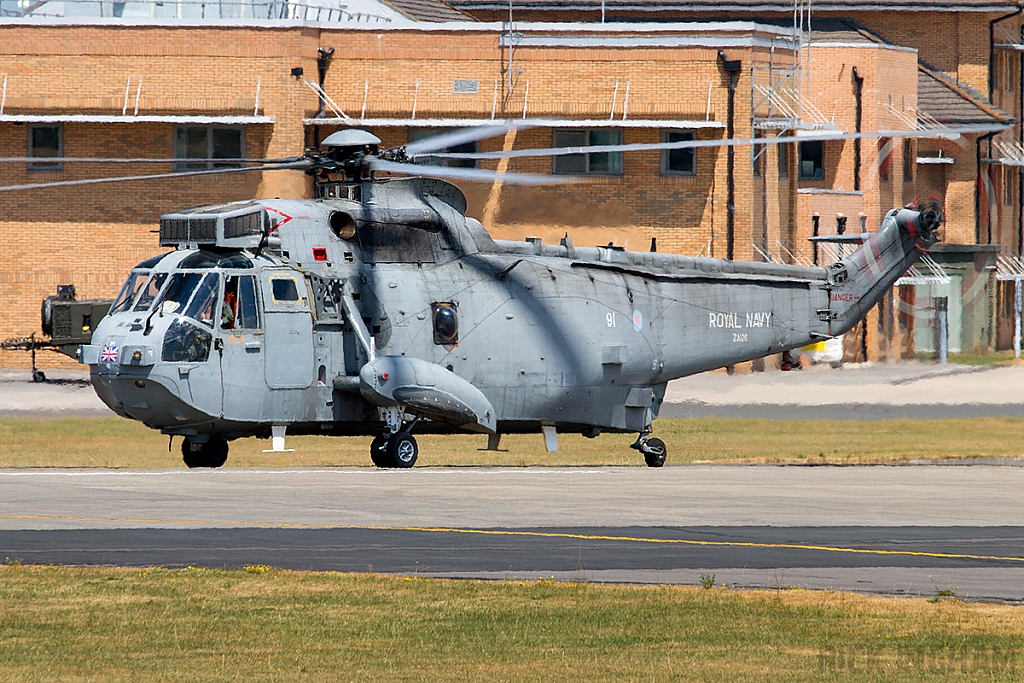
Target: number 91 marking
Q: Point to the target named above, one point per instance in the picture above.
(610, 319)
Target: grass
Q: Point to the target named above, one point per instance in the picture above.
(105, 624)
(994, 359)
(116, 442)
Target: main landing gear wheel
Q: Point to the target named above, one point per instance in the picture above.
(654, 452)
(402, 450)
(213, 453)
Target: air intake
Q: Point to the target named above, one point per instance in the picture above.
(238, 226)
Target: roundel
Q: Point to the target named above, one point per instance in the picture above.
(638, 321)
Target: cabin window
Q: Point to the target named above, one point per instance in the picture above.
(678, 161)
(284, 289)
(591, 163)
(208, 143)
(239, 311)
(46, 142)
(416, 134)
(186, 343)
(446, 324)
(812, 160)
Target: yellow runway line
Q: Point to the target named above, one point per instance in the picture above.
(535, 534)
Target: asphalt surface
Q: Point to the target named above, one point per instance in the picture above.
(899, 530)
(895, 530)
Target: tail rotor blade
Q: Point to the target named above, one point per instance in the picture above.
(476, 174)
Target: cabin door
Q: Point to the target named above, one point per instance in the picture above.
(289, 330)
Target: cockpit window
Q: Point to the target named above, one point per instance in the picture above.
(207, 259)
(204, 301)
(178, 291)
(186, 343)
(149, 292)
(131, 288)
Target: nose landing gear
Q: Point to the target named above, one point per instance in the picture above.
(398, 450)
(395, 448)
(211, 453)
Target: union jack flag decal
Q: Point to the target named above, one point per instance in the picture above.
(109, 354)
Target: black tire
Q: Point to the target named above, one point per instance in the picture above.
(378, 452)
(47, 315)
(213, 453)
(655, 452)
(402, 450)
(38, 376)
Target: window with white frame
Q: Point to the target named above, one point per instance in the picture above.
(46, 142)
(588, 163)
(682, 161)
(211, 146)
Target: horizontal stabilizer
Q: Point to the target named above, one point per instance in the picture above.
(425, 388)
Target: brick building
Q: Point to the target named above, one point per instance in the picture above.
(195, 90)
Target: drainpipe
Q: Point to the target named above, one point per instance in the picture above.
(858, 92)
(980, 188)
(323, 62)
(731, 67)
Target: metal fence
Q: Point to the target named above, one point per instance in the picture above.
(213, 10)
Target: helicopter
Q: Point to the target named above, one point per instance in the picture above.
(380, 309)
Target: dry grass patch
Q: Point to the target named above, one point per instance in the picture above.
(70, 624)
(115, 442)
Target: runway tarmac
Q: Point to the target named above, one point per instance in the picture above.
(900, 530)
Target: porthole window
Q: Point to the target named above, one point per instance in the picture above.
(446, 324)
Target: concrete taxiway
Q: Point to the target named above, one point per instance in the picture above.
(911, 529)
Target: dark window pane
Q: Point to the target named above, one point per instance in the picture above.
(186, 343)
(605, 162)
(678, 160)
(190, 143)
(783, 151)
(246, 310)
(227, 144)
(284, 289)
(570, 163)
(812, 160)
(44, 142)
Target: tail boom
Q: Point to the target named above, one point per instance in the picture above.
(860, 280)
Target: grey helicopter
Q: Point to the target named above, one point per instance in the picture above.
(380, 309)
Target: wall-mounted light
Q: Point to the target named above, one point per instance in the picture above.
(297, 72)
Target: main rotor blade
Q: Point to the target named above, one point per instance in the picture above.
(459, 137)
(952, 131)
(476, 174)
(125, 160)
(154, 176)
